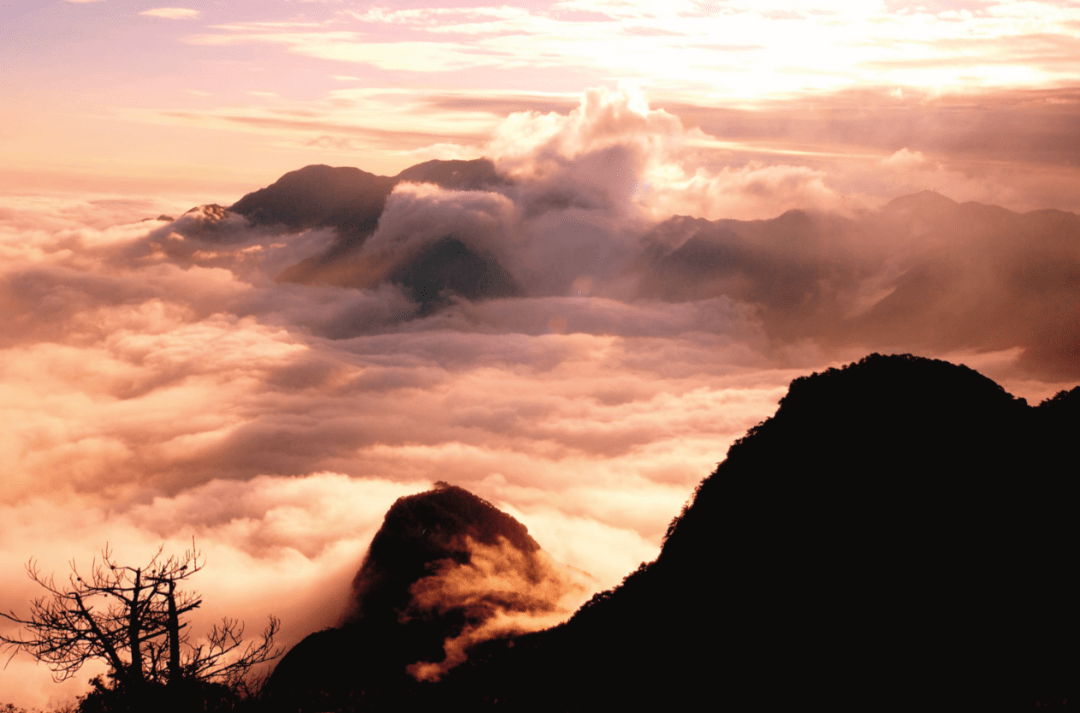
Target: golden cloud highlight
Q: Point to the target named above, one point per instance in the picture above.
(502, 591)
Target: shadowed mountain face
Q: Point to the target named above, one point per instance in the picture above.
(897, 537)
(445, 569)
(447, 267)
(795, 268)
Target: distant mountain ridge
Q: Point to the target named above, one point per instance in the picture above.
(351, 200)
(921, 273)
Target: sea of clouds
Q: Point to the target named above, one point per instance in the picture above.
(158, 383)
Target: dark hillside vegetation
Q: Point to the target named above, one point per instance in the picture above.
(897, 536)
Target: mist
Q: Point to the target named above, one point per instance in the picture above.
(635, 309)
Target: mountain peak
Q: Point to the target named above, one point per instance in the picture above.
(421, 529)
(477, 174)
(896, 537)
(345, 198)
(925, 202)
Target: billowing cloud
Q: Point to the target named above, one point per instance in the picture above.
(162, 380)
(505, 590)
(781, 48)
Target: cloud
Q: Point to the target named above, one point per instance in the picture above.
(783, 47)
(172, 13)
(159, 381)
(501, 591)
(272, 546)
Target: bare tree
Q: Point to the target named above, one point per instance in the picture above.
(130, 617)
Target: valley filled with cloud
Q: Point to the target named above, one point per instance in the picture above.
(161, 382)
(569, 305)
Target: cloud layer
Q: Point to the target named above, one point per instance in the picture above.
(160, 382)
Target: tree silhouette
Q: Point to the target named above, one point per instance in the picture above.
(131, 617)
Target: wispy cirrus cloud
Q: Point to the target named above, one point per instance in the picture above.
(783, 48)
(172, 13)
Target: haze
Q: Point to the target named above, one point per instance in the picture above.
(159, 381)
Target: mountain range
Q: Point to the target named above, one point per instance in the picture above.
(921, 273)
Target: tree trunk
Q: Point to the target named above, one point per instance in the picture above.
(173, 627)
(135, 670)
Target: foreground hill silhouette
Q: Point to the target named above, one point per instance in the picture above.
(898, 536)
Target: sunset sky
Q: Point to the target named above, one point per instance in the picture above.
(151, 394)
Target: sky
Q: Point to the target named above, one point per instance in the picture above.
(160, 383)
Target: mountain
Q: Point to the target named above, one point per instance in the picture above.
(922, 272)
(423, 593)
(898, 536)
(476, 175)
(350, 200)
(347, 199)
(448, 266)
(792, 268)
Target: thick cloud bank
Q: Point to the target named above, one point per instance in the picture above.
(539, 328)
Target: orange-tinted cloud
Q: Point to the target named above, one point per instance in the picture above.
(159, 382)
(504, 590)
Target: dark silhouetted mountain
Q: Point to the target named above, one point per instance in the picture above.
(898, 536)
(423, 529)
(422, 538)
